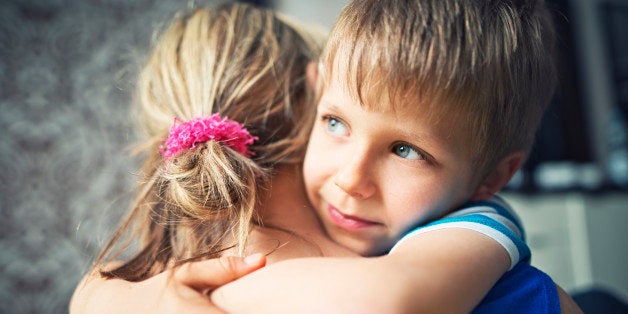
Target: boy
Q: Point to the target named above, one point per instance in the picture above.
(427, 110)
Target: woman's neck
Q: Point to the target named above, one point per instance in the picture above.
(287, 206)
(287, 211)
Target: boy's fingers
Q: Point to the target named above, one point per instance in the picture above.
(219, 271)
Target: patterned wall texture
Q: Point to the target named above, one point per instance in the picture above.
(66, 75)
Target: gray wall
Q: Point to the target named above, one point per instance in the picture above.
(322, 12)
(66, 73)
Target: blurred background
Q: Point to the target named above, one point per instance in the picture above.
(67, 71)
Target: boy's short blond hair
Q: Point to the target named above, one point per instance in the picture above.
(484, 67)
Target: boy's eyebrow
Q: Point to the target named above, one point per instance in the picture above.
(329, 105)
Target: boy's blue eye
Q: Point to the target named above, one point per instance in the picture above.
(336, 127)
(406, 151)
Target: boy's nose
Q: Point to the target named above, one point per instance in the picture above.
(354, 178)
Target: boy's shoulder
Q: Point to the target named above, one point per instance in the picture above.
(493, 218)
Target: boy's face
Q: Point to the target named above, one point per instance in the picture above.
(373, 175)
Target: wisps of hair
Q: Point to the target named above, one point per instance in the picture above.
(244, 63)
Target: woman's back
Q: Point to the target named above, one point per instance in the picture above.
(233, 65)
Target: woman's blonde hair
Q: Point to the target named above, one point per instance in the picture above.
(242, 62)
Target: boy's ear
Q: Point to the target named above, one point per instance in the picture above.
(311, 74)
(498, 178)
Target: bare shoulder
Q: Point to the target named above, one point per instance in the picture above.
(279, 244)
(567, 304)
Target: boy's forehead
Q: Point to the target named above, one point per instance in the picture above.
(370, 90)
(409, 106)
(376, 92)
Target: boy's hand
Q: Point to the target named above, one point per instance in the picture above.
(184, 289)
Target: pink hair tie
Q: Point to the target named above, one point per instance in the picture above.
(213, 128)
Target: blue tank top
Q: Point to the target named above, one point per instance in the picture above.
(524, 289)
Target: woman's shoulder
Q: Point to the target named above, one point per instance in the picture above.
(279, 244)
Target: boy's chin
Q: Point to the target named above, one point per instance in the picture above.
(359, 246)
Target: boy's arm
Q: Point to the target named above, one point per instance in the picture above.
(448, 270)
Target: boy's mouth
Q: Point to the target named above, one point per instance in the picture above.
(348, 222)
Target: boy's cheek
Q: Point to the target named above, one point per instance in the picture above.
(311, 190)
(309, 179)
(314, 162)
(320, 161)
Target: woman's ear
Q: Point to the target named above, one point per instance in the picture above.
(500, 175)
(311, 74)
